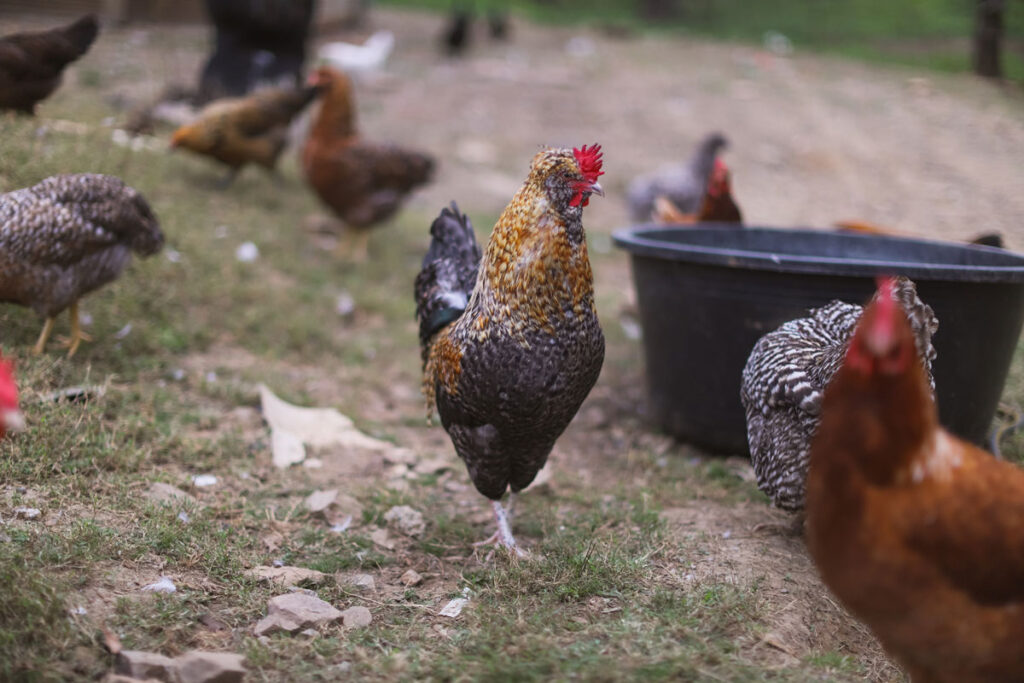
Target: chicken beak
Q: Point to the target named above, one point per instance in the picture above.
(597, 189)
(12, 420)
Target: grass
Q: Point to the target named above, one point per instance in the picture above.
(931, 34)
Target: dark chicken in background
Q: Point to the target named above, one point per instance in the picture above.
(364, 183)
(31, 64)
(918, 533)
(511, 341)
(684, 185)
(717, 205)
(66, 236)
(785, 378)
(257, 43)
(245, 130)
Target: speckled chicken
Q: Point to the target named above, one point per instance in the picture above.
(683, 185)
(66, 236)
(32, 64)
(511, 342)
(784, 380)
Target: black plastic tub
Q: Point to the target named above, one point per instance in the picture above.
(707, 293)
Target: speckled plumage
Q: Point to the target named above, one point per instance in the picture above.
(509, 374)
(785, 378)
(68, 235)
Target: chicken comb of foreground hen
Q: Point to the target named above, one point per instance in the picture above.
(11, 419)
(919, 534)
(510, 337)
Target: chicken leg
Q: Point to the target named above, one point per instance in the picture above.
(503, 536)
(44, 335)
(77, 336)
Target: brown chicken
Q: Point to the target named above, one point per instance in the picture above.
(986, 239)
(716, 206)
(245, 130)
(364, 183)
(66, 236)
(919, 534)
(511, 341)
(31, 64)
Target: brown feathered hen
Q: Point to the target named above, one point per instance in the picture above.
(31, 64)
(66, 236)
(717, 205)
(245, 130)
(364, 183)
(918, 533)
(511, 342)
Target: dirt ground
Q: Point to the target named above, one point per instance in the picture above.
(813, 140)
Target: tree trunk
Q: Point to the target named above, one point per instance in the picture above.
(988, 38)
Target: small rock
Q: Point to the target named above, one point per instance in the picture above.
(286, 576)
(454, 607)
(380, 537)
(319, 500)
(342, 526)
(432, 466)
(335, 507)
(272, 540)
(202, 480)
(27, 513)
(356, 617)
(363, 583)
(293, 612)
(411, 578)
(139, 664)
(163, 585)
(400, 456)
(453, 486)
(210, 667)
(309, 633)
(313, 463)
(406, 520)
(183, 517)
(78, 611)
(345, 305)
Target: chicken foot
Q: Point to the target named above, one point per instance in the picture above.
(77, 336)
(353, 246)
(44, 335)
(503, 536)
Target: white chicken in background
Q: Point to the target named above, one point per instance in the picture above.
(353, 58)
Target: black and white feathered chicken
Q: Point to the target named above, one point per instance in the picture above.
(785, 378)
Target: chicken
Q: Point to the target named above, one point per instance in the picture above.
(919, 534)
(985, 239)
(246, 130)
(364, 183)
(683, 185)
(258, 43)
(717, 205)
(66, 236)
(455, 37)
(31, 64)
(11, 419)
(511, 342)
(785, 376)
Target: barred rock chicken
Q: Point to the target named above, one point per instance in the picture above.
(66, 236)
(245, 130)
(717, 205)
(11, 419)
(258, 43)
(364, 183)
(31, 64)
(683, 185)
(511, 342)
(919, 534)
(784, 378)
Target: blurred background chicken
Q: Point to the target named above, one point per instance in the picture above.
(985, 239)
(509, 362)
(683, 185)
(31, 64)
(786, 375)
(364, 183)
(11, 419)
(245, 130)
(919, 534)
(66, 236)
(717, 205)
(370, 55)
(257, 43)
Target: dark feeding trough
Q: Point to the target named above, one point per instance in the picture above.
(707, 293)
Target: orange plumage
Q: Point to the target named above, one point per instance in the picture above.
(363, 183)
(716, 206)
(919, 534)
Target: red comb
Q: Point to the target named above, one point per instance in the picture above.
(589, 160)
(8, 390)
(886, 304)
